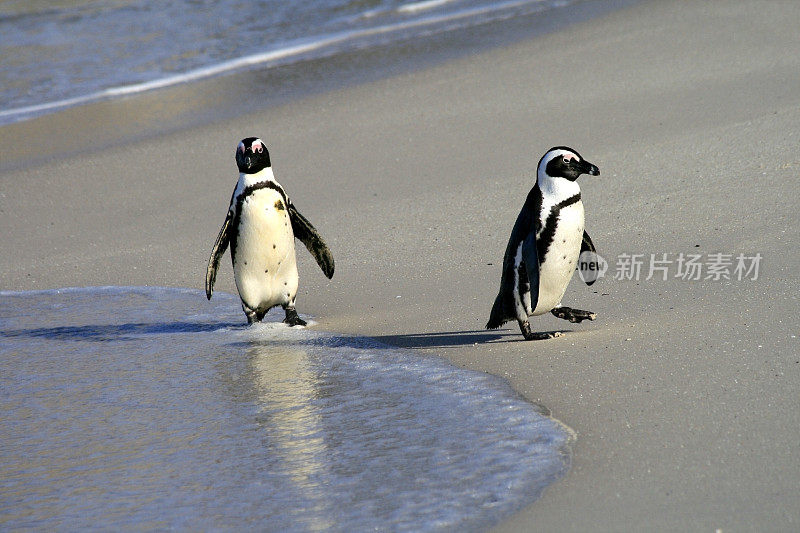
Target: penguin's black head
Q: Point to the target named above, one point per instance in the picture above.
(564, 162)
(252, 156)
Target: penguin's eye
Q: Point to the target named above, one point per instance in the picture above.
(259, 149)
(566, 160)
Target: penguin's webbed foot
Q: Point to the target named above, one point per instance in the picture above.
(573, 315)
(252, 317)
(292, 318)
(525, 328)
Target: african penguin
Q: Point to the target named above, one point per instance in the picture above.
(543, 250)
(261, 226)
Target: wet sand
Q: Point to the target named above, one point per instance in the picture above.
(683, 392)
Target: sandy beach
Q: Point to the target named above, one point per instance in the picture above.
(683, 392)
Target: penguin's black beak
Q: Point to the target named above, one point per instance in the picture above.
(588, 168)
(248, 161)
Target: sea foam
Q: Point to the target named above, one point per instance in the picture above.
(151, 408)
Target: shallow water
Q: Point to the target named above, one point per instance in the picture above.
(58, 54)
(151, 408)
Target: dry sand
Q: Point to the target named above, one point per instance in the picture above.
(684, 394)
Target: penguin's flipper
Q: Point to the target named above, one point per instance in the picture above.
(308, 235)
(594, 266)
(497, 317)
(587, 245)
(515, 276)
(530, 256)
(223, 239)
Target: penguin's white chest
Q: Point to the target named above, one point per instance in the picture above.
(264, 266)
(560, 259)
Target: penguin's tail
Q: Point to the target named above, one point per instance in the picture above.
(497, 317)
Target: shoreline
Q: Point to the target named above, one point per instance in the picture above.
(683, 393)
(130, 118)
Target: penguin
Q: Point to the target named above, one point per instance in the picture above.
(260, 226)
(545, 244)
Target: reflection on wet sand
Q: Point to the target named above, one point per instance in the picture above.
(285, 384)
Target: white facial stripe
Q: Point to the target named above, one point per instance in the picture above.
(241, 147)
(555, 190)
(549, 156)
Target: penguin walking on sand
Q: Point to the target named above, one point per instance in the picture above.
(544, 247)
(260, 227)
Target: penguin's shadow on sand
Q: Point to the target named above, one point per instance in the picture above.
(118, 332)
(454, 339)
(128, 331)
